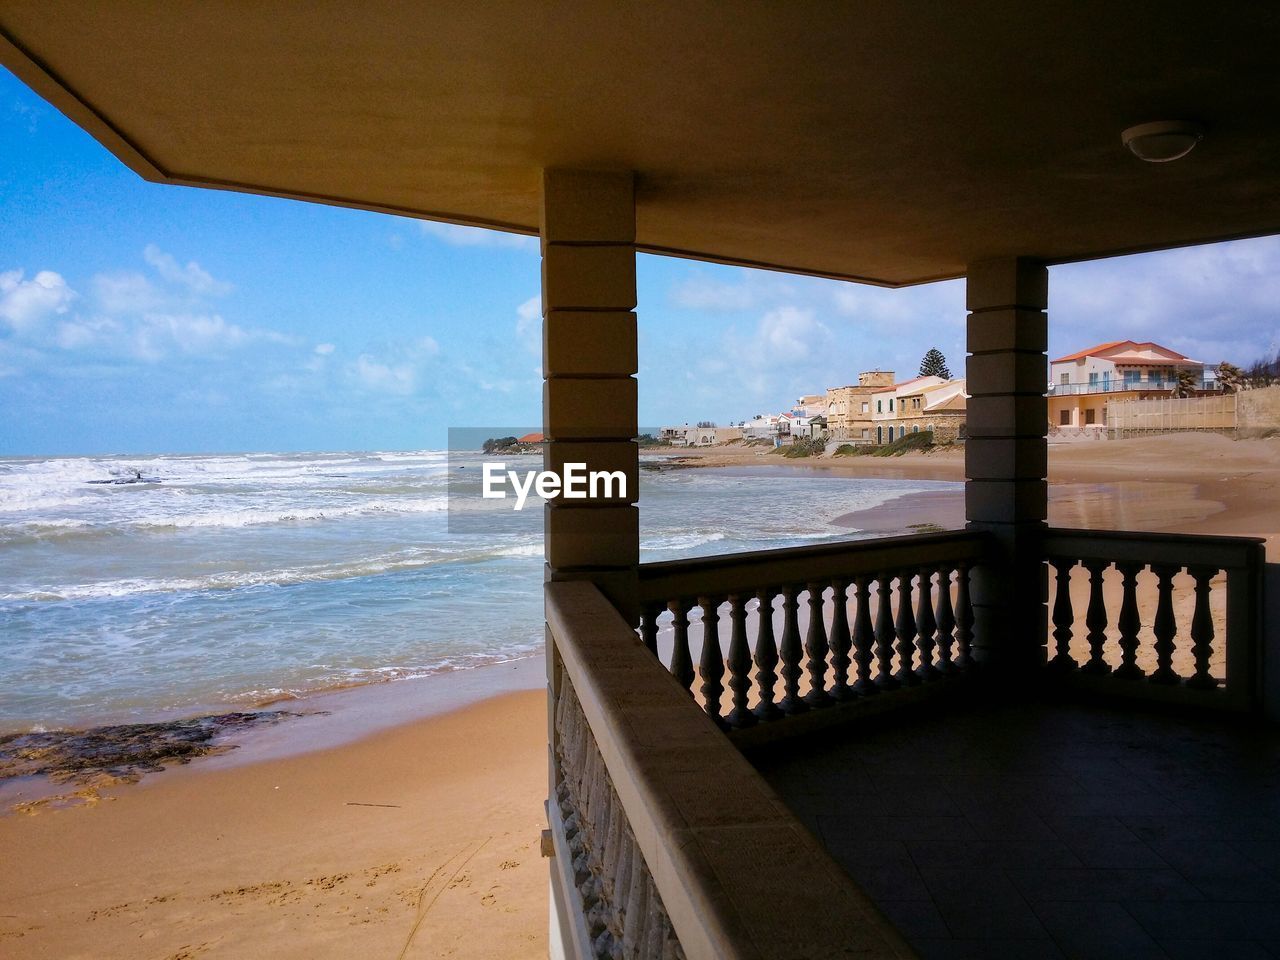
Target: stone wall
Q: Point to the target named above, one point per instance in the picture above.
(1258, 411)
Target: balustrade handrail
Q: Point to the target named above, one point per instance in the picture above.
(1182, 549)
(738, 875)
(746, 572)
(1235, 562)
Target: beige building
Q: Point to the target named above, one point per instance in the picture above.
(939, 408)
(1083, 384)
(849, 407)
(886, 405)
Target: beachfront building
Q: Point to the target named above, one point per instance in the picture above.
(849, 407)
(1082, 384)
(765, 427)
(887, 408)
(939, 408)
(811, 405)
(870, 748)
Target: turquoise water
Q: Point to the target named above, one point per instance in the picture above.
(236, 579)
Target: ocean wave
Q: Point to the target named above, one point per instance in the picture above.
(681, 541)
(258, 517)
(284, 577)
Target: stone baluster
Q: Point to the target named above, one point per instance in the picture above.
(1095, 618)
(816, 648)
(711, 663)
(964, 618)
(1165, 625)
(766, 657)
(1063, 616)
(1202, 630)
(863, 637)
(739, 663)
(1129, 623)
(945, 617)
(681, 660)
(791, 653)
(906, 628)
(649, 627)
(927, 626)
(840, 641)
(884, 634)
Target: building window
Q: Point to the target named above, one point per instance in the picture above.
(1132, 377)
(1064, 379)
(879, 408)
(902, 432)
(891, 404)
(879, 432)
(1064, 418)
(1091, 416)
(915, 429)
(865, 407)
(1093, 379)
(866, 433)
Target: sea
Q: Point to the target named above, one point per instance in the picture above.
(137, 589)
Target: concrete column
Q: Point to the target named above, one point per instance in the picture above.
(589, 362)
(1006, 457)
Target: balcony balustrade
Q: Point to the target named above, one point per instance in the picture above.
(782, 633)
(1148, 384)
(1200, 643)
(669, 843)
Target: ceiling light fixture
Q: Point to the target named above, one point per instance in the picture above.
(1162, 140)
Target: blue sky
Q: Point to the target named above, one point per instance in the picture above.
(144, 318)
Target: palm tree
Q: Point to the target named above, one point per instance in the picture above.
(1230, 377)
(1186, 384)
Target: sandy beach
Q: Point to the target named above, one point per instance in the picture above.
(420, 836)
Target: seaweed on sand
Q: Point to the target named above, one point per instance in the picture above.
(123, 752)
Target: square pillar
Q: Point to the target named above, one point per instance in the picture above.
(588, 366)
(1006, 457)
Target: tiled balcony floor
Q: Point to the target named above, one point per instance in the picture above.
(1061, 830)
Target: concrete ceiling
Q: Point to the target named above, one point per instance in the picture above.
(888, 142)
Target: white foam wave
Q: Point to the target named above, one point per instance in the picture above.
(289, 576)
(681, 541)
(258, 517)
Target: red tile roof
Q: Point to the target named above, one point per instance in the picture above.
(1080, 355)
(532, 438)
(1102, 347)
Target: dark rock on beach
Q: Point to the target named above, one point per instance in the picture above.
(123, 752)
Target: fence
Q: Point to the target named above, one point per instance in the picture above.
(1127, 418)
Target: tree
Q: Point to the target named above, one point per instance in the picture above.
(934, 364)
(1185, 385)
(1230, 379)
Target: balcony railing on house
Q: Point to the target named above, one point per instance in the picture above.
(1120, 385)
(667, 841)
(812, 627)
(1200, 643)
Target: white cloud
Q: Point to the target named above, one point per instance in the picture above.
(192, 276)
(26, 304)
(459, 236)
(323, 349)
(529, 325)
(398, 378)
(126, 293)
(396, 368)
(748, 290)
